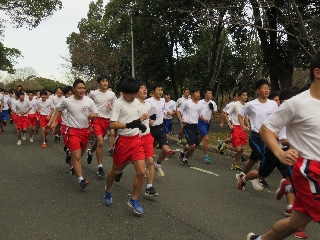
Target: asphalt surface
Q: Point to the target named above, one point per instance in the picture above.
(40, 200)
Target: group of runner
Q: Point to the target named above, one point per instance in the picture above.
(141, 122)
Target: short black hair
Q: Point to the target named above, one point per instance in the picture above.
(273, 95)
(194, 89)
(156, 85)
(314, 63)
(235, 93)
(142, 83)
(100, 77)
(261, 82)
(207, 90)
(67, 89)
(77, 81)
(240, 92)
(19, 93)
(166, 92)
(286, 94)
(129, 85)
(43, 92)
(58, 88)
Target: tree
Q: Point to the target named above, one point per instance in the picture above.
(22, 74)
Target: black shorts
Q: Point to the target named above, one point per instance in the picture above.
(159, 134)
(191, 133)
(268, 160)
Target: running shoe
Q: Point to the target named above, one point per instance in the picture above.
(68, 157)
(118, 177)
(185, 163)
(84, 183)
(264, 184)
(19, 142)
(181, 155)
(31, 139)
(241, 184)
(11, 121)
(300, 235)
(159, 170)
(235, 167)
(252, 236)
(58, 139)
(100, 172)
(207, 159)
(288, 212)
(72, 172)
(36, 131)
(219, 143)
(44, 145)
(171, 153)
(111, 152)
(179, 143)
(243, 159)
(222, 148)
(89, 157)
(256, 184)
(281, 191)
(108, 198)
(151, 192)
(23, 136)
(55, 139)
(136, 206)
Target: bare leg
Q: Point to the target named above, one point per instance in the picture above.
(139, 178)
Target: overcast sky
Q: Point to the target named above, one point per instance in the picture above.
(43, 46)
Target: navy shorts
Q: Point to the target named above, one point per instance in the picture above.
(168, 125)
(159, 134)
(191, 133)
(203, 127)
(4, 115)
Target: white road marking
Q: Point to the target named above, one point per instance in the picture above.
(205, 171)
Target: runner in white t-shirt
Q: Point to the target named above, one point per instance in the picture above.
(257, 110)
(169, 111)
(238, 137)
(208, 109)
(21, 109)
(301, 118)
(128, 147)
(185, 97)
(32, 116)
(80, 109)
(57, 99)
(103, 99)
(190, 111)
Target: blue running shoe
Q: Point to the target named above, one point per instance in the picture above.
(207, 159)
(108, 198)
(84, 183)
(136, 206)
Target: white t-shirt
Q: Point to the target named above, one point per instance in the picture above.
(191, 111)
(102, 99)
(78, 111)
(45, 106)
(33, 106)
(301, 116)
(181, 100)
(6, 101)
(125, 112)
(226, 109)
(169, 107)
(21, 107)
(258, 112)
(144, 108)
(206, 110)
(157, 107)
(233, 111)
(13, 104)
(282, 136)
(56, 100)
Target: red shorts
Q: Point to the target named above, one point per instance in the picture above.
(59, 120)
(77, 138)
(63, 130)
(100, 126)
(32, 120)
(306, 180)
(14, 118)
(238, 136)
(44, 121)
(22, 122)
(147, 143)
(127, 149)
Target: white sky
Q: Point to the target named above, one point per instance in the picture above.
(43, 46)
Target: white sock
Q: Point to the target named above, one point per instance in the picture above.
(157, 164)
(44, 142)
(90, 153)
(289, 206)
(287, 189)
(80, 178)
(182, 151)
(259, 238)
(99, 165)
(57, 135)
(71, 167)
(185, 159)
(244, 179)
(149, 186)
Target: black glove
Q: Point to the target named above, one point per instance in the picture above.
(210, 105)
(142, 128)
(153, 117)
(134, 124)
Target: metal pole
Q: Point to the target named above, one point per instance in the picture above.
(132, 47)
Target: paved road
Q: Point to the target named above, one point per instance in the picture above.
(40, 200)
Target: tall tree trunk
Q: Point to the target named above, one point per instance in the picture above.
(171, 65)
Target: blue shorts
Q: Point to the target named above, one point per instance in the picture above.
(168, 125)
(203, 127)
(4, 115)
